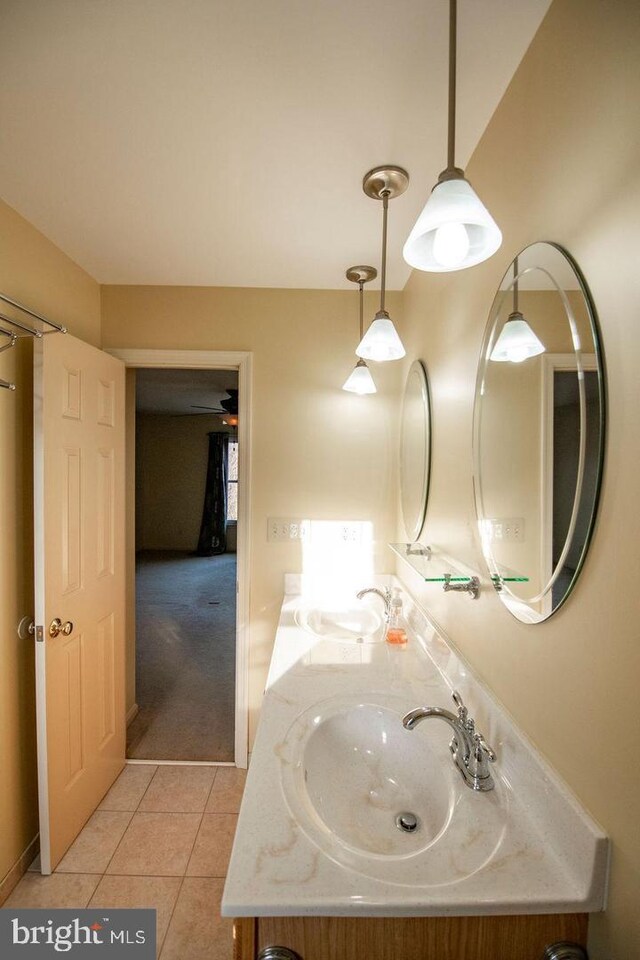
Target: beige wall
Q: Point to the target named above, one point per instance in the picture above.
(37, 274)
(317, 452)
(560, 160)
(171, 459)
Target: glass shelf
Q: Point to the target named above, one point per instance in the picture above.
(434, 566)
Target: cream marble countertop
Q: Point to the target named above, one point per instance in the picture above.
(526, 847)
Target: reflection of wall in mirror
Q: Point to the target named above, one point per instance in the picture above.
(566, 433)
(510, 465)
(512, 436)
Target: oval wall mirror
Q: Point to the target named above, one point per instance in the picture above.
(539, 419)
(415, 450)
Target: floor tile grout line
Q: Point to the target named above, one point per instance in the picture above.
(124, 833)
(173, 910)
(106, 809)
(155, 773)
(147, 876)
(184, 876)
(206, 803)
(193, 845)
(213, 779)
(123, 812)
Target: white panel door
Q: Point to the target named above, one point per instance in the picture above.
(79, 577)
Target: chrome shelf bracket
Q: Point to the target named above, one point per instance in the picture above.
(470, 586)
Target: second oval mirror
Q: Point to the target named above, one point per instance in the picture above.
(415, 450)
(538, 431)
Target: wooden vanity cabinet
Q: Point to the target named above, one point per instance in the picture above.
(409, 938)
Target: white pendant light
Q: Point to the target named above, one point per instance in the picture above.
(517, 341)
(381, 341)
(455, 230)
(360, 379)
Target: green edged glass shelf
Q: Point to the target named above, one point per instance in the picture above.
(434, 566)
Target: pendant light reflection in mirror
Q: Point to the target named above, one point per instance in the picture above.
(517, 341)
(455, 230)
(381, 341)
(360, 380)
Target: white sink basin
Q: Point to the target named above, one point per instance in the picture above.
(349, 769)
(359, 624)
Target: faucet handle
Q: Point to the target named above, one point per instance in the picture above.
(462, 710)
(484, 746)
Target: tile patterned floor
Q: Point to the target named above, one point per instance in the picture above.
(161, 838)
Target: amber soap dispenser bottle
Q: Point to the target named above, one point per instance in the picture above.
(396, 634)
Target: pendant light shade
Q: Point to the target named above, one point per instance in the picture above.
(517, 341)
(455, 230)
(360, 380)
(381, 341)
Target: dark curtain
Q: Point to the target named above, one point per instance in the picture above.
(213, 529)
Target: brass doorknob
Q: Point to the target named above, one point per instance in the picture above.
(57, 627)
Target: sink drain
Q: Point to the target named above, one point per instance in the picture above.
(407, 822)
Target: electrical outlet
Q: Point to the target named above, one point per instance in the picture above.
(507, 530)
(286, 528)
(351, 532)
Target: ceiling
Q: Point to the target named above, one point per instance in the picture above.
(223, 143)
(177, 391)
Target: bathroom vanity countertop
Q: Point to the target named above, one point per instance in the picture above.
(549, 855)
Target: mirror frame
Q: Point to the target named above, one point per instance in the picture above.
(514, 604)
(419, 368)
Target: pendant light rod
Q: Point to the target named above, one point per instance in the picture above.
(360, 380)
(453, 31)
(361, 274)
(383, 261)
(515, 285)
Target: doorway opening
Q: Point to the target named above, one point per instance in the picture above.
(566, 436)
(186, 501)
(187, 569)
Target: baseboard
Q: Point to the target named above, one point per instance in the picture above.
(132, 713)
(18, 870)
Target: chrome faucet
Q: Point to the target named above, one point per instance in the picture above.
(470, 751)
(385, 596)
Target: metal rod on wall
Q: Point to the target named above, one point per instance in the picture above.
(31, 313)
(26, 328)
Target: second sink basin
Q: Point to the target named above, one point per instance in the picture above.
(349, 623)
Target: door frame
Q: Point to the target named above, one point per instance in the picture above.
(551, 362)
(242, 361)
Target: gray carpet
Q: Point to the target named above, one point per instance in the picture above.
(185, 657)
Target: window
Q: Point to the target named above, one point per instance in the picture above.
(232, 482)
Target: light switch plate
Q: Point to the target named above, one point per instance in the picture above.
(287, 528)
(507, 529)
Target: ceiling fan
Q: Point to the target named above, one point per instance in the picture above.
(227, 407)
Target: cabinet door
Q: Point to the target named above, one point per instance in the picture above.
(420, 938)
